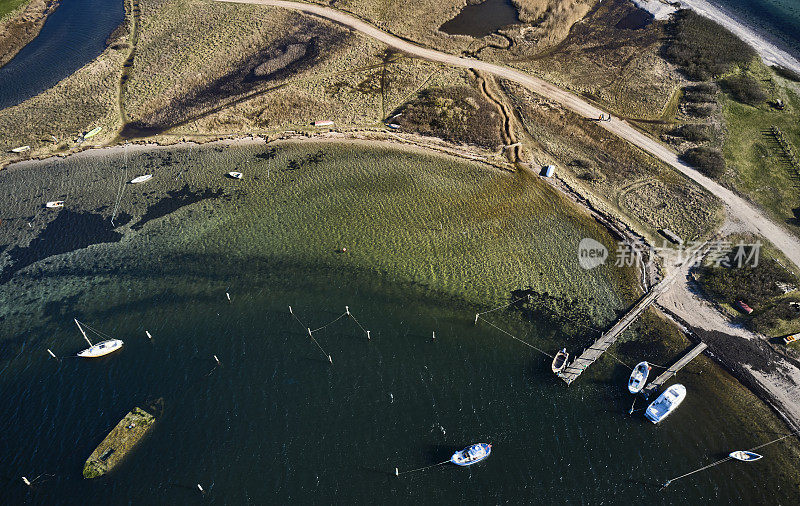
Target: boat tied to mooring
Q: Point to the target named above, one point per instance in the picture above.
(560, 361)
(638, 377)
(141, 179)
(100, 349)
(745, 456)
(471, 454)
(666, 403)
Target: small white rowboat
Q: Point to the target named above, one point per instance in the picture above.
(21, 149)
(638, 377)
(141, 179)
(54, 204)
(235, 175)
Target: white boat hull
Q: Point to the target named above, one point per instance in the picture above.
(101, 349)
(141, 179)
(235, 175)
(54, 204)
(638, 377)
(666, 403)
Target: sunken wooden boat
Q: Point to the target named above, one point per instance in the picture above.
(122, 439)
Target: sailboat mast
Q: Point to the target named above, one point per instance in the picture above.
(82, 332)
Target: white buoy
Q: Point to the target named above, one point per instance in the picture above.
(25, 480)
(51, 354)
(347, 310)
(368, 338)
(148, 334)
(215, 358)
(228, 296)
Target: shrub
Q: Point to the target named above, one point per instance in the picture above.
(703, 110)
(702, 48)
(786, 73)
(693, 133)
(745, 89)
(707, 160)
(703, 92)
(753, 285)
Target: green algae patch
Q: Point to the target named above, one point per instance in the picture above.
(118, 443)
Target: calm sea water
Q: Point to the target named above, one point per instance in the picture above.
(779, 20)
(72, 36)
(277, 423)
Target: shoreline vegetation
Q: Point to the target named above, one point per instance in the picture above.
(21, 25)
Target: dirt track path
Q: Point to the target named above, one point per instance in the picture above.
(754, 219)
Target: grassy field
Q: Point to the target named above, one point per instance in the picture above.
(9, 7)
(757, 165)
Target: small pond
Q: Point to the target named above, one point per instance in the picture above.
(482, 19)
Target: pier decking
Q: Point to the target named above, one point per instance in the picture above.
(674, 368)
(592, 353)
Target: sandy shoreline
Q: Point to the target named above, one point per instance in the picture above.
(771, 54)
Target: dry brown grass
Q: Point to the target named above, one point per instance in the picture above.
(75, 105)
(623, 180)
(617, 67)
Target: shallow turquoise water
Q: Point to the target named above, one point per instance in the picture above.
(276, 423)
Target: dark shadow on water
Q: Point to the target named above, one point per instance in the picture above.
(69, 231)
(175, 200)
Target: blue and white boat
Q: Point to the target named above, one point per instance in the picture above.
(666, 403)
(744, 455)
(638, 377)
(471, 454)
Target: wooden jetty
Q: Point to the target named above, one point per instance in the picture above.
(596, 350)
(674, 368)
(593, 352)
(121, 440)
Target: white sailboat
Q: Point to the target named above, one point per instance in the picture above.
(100, 349)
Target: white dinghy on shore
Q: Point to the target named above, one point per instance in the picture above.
(54, 204)
(100, 349)
(141, 179)
(235, 175)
